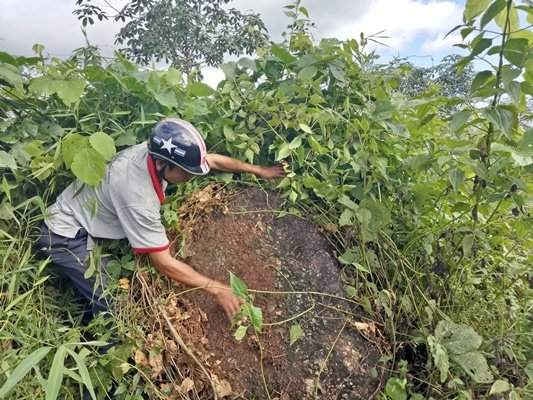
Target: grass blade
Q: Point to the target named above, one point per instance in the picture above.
(55, 378)
(84, 373)
(22, 369)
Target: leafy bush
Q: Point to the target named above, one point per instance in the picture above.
(428, 210)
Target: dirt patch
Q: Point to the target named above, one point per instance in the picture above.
(241, 232)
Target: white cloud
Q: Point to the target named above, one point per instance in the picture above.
(438, 43)
(417, 25)
(402, 20)
(212, 76)
(49, 22)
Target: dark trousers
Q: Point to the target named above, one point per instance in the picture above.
(71, 260)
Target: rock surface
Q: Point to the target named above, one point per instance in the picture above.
(242, 232)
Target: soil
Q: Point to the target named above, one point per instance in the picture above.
(242, 232)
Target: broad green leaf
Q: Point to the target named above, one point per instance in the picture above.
(350, 291)
(361, 267)
(526, 144)
(240, 333)
(229, 134)
(199, 89)
(70, 91)
(457, 338)
(41, 86)
(364, 216)
(440, 357)
(499, 386)
(513, 19)
(520, 157)
(468, 241)
(71, 145)
(456, 177)
(166, 98)
(11, 75)
(127, 138)
(7, 161)
(295, 333)
(283, 152)
(395, 389)
(459, 120)
(502, 119)
(516, 51)
(295, 143)
(55, 377)
(293, 196)
(316, 146)
(337, 72)
(304, 11)
(509, 73)
(514, 91)
(238, 286)
(380, 214)
(282, 54)
(307, 73)
(475, 7)
(349, 257)
(475, 365)
(305, 128)
(247, 63)
(88, 166)
(229, 69)
(346, 217)
(480, 80)
(479, 45)
(493, 10)
(347, 202)
(173, 77)
(103, 144)
(34, 148)
(22, 369)
(256, 318)
(311, 182)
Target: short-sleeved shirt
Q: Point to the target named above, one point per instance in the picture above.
(126, 204)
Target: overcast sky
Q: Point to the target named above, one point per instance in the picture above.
(416, 27)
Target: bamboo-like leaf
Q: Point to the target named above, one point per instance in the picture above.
(84, 373)
(55, 378)
(22, 369)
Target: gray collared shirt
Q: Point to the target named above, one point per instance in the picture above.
(126, 204)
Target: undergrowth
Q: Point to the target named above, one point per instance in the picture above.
(427, 199)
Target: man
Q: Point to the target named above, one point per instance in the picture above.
(126, 204)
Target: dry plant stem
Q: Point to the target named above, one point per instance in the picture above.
(305, 292)
(324, 363)
(291, 318)
(263, 378)
(177, 337)
(182, 344)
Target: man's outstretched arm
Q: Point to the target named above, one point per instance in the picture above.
(228, 164)
(181, 272)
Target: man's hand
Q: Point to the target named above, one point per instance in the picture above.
(181, 272)
(229, 302)
(275, 171)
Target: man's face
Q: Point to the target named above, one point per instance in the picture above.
(175, 174)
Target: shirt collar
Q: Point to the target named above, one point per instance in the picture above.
(155, 179)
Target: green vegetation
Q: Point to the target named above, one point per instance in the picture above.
(428, 208)
(184, 33)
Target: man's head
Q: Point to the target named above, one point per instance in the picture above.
(171, 173)
(178, 149)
